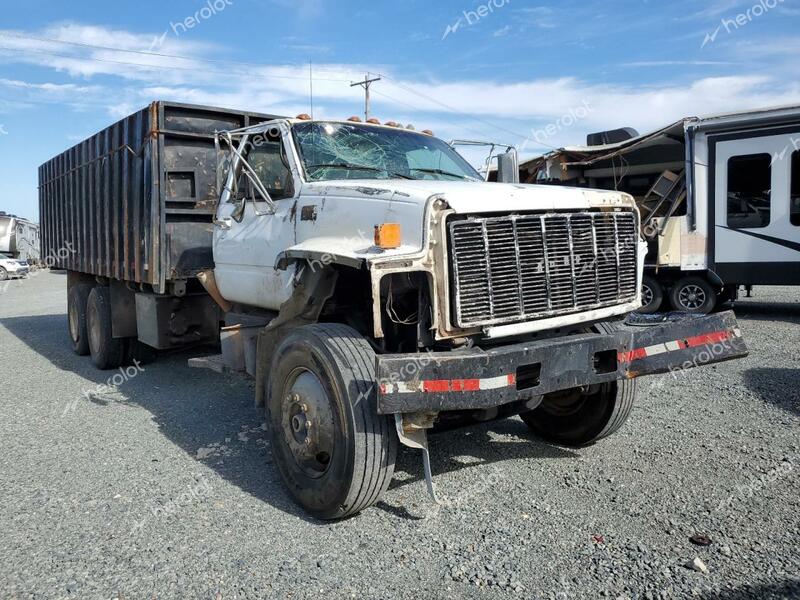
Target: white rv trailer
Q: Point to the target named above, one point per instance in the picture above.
(19, 238)
(719, 196)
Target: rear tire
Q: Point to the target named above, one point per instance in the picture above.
(693, 295)
(335, 453)
(77, 300)
(107, 352)
(3, 274)
(652, 295)
(583, 416)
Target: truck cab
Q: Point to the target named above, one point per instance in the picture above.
(394, 206)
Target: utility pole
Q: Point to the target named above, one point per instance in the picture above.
(365, 84)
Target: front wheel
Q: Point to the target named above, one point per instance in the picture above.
(335, 453)
(582, 416)
(3, 274)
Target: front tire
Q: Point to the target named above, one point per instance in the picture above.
(333, 451)
(583, 416)
(3, 274)
(107, 352)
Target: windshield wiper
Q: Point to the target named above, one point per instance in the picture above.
(442, 172)
(358, 168)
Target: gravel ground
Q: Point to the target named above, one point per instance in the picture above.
(163, 486)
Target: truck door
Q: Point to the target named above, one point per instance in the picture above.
(756, 225)
(246, 245)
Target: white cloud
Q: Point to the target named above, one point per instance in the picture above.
(516, 107)
(53, 88)
(540, 16)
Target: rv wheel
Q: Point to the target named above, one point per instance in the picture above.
(333, 450)
(693, 295)
(652, 295)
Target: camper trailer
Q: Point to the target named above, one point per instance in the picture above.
(719, 198)
(19, 238)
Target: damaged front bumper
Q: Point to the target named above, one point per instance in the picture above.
(479, 379)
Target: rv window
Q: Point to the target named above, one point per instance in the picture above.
(795, 212)
(749, 191)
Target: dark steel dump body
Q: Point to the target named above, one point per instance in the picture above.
(136, 201)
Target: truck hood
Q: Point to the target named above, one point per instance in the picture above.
(473, 196)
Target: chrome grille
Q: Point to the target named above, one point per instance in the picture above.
(525, 267)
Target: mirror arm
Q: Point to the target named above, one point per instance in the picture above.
(253, 177)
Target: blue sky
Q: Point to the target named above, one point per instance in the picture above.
(501, 70)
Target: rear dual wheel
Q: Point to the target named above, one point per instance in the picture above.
(77, 301)
(90, 330)
(107, 351)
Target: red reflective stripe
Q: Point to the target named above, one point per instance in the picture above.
(632, 355)
(692, 342)
(708, 338)
(442, 385)
(459, 385)
(465, 385)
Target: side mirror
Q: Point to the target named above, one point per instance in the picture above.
(508, 167)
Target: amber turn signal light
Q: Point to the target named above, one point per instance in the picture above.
(387, 236)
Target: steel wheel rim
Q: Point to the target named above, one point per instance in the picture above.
(308, 423)
(692, 296)
(647, 295)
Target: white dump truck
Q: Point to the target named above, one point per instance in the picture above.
(368, 279)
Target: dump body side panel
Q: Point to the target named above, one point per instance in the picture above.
(135, 202)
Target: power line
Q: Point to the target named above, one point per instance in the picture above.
(365, 84)
(146, 53)
(463, 114)
(154, 66)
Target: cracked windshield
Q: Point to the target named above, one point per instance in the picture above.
(351, 151)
